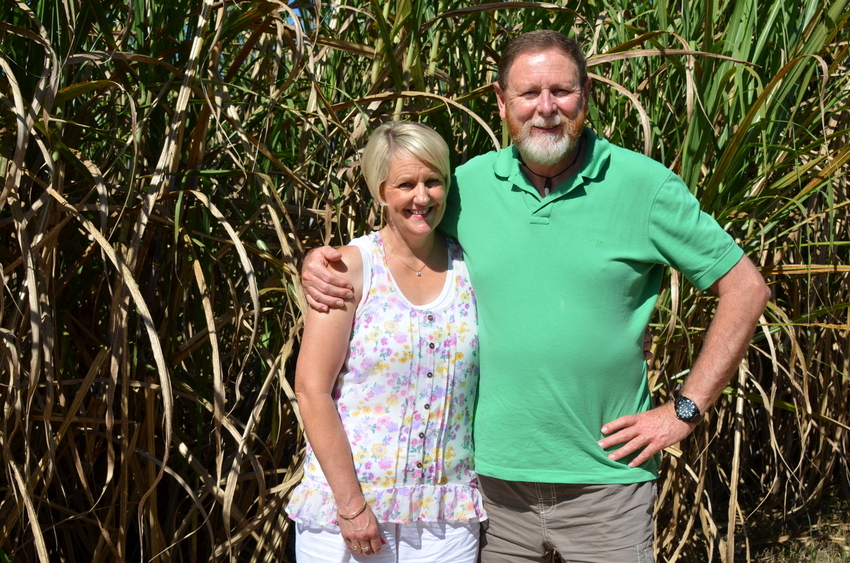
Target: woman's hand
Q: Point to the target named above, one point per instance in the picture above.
(361, 533)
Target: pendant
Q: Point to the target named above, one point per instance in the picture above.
(419, 274)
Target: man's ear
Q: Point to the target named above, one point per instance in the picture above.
(500, 99)
(587, 89)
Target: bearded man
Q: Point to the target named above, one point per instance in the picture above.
(565, 237)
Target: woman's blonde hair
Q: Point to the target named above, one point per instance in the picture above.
(396, 139)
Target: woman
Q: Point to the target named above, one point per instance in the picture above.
(386, 385)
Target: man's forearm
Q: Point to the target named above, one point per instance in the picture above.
(742, 298)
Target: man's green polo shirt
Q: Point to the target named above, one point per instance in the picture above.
(565, 287)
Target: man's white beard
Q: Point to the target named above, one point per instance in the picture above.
(544, 148)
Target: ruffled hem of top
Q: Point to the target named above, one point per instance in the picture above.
(398, 505)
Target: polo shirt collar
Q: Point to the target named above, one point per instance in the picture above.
(597, 154)
(508, 167)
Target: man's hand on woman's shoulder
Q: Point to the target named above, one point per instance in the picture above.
(323, 288)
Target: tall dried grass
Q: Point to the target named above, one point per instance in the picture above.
(167, 164)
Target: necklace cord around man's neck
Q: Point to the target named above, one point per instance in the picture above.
(547, 185)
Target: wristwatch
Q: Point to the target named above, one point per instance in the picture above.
(687, 410)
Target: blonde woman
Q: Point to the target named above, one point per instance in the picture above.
(386, 385)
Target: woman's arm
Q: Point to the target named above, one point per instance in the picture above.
(323, 350)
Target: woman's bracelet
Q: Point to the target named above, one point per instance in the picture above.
(354, 514)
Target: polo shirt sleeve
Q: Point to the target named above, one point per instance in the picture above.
(688, 239)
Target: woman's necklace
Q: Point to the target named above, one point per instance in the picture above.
(425, 263)
(547, 186)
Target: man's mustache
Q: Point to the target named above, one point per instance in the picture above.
(547, 123)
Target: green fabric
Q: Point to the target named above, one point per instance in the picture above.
(565, 289)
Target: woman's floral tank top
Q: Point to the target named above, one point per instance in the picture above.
(405, 397)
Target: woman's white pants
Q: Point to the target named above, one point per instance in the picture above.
(418, 542)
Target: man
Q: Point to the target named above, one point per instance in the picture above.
(565, 237)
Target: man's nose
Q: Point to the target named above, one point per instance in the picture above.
(545, 103)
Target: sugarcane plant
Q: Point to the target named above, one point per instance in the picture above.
(167, 165)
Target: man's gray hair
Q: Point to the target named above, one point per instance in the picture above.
(402, 139)
(536, 42)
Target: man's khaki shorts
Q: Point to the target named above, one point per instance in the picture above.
(584, 523)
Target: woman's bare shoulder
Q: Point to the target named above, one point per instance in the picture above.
(350, 267)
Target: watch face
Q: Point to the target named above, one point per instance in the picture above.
(686, 409)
